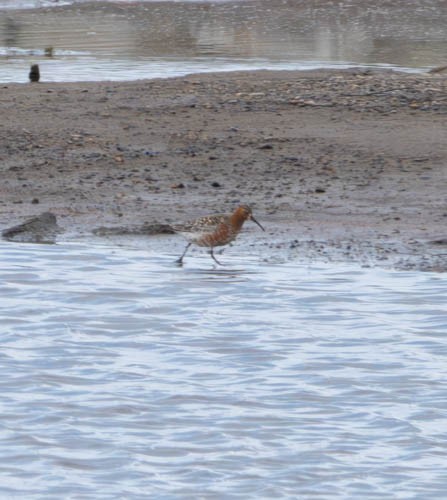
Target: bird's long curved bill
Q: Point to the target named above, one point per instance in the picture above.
(256, 222)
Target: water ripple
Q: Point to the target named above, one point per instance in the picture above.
(80, 40)
(125, 376)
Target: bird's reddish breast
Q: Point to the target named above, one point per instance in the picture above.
(223, 235)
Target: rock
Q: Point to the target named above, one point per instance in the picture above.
(40, 229)
(146, 229)
(156, 228)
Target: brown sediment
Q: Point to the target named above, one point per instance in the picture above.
(438, 69)
(337, 165)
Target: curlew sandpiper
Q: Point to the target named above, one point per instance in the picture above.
(214, 230)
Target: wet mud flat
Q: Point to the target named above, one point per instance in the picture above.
(338, 165)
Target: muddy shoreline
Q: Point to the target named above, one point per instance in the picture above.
(338, 165)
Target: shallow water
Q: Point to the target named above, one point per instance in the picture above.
(125, 376)
(131, 40)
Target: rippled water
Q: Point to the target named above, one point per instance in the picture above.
(129, 39)
(125, 376)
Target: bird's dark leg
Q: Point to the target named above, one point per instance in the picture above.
(214, 258)
(180, 259)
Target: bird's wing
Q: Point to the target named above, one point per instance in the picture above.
(207, 224)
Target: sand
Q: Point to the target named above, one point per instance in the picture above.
(346, 166)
